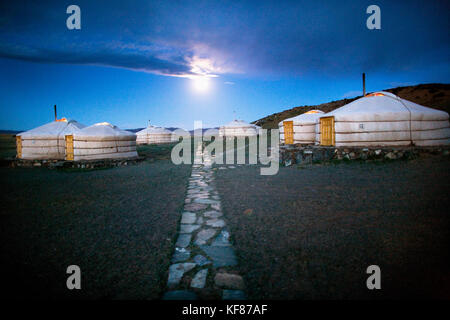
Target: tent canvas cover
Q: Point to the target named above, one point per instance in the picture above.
(153, 134)
(47, 141)
(304, 127)
(384, 119)
(103, 141)
(238, 128)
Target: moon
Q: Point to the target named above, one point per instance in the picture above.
(201, 84)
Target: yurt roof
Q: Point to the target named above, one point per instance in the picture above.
(60, 127)
(153, 129)
(211, 132)
(308, 117)
(385, 106)
(104, 129)
(238, 124)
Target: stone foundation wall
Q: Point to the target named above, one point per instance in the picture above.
(300, 154)
(85, 164)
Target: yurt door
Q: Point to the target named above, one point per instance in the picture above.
(69, 147)
(288, 132)
(19, 146)
(327, 131)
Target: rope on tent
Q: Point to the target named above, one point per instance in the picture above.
(117, 147)
(57, 140)
(410, 120)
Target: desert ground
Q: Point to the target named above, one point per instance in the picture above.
(305, 233)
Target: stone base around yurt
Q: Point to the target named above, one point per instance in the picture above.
(84, 164)
(150, 143)
(303, 155)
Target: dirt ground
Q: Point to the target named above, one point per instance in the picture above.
(118, 225)
(311, 233)
(305, 233)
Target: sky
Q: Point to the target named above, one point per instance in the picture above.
(174, 62)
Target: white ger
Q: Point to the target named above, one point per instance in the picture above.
(153, 134)
(46, 141)
(238, 128)
(300, 129)
(101, 141)
(383, 119)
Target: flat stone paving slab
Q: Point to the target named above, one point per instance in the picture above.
(222, 240)
(229, 281)
(176, 272)
(201, 260)
(188, 228)
(183, 240)
(179, 295)
(204, 235)
(221, 256)
(212, 214)
(188, 217)
(206, 201)
(195, 206)
(199, 279)
(180, 255)
(233, 295)
(216, 223)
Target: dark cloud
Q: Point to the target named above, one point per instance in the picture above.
(134, 60)
(252, 37)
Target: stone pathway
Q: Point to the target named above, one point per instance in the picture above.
(204, 262)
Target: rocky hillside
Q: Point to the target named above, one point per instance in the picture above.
(433, 95)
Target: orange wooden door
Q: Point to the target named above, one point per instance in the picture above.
(327, 131)
(19, 146)
(288, 132)
(69, 147)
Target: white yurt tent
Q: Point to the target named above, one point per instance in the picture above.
(300, 129)
(153, 134)
(179, 133)
(101, 141)
(47, 141)
(174, 137)
(258, 129)
(238, 128)
(211, 132)
(383, 119)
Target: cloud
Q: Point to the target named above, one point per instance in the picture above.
(129, 59)
(352, 94)
(210, 38)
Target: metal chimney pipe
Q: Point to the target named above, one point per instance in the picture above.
(364, 84)
(56, 118)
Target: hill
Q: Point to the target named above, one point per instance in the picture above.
(433, 95)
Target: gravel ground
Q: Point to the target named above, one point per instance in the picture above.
(118, 225)
(311, 233)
